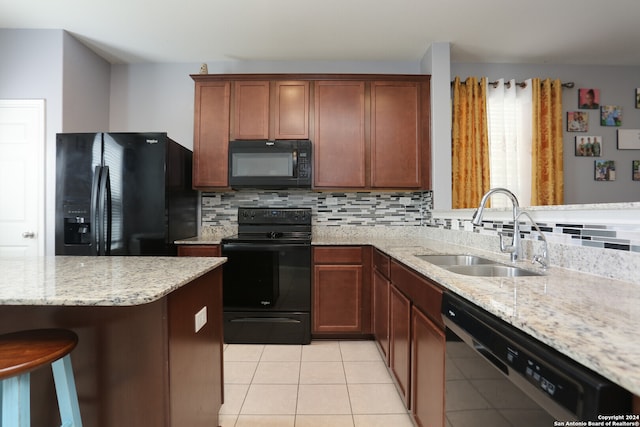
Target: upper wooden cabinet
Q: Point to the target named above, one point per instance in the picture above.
(251, 111)
(271, 110)
(339, 141)
(395, 135)
(211, 134)
(367, 131)
(291, 112)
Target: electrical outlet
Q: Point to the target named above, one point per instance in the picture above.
(201, 318)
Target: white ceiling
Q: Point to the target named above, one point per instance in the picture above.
(492, 31)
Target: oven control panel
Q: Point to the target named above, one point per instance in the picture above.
(296, 216)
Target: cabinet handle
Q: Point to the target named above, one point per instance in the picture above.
(29, 234)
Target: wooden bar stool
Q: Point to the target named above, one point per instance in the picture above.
(26, 351)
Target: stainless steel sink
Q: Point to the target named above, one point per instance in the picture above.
(448, 260)
(490, 270)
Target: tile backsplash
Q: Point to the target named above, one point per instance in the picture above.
(408, 209)
(329, 209)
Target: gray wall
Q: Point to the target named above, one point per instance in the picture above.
(617, 87)
(52, 65)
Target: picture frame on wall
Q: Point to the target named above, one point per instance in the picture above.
(638, 97)
(611, 115)
(604, 170)
(588, 146)
(635, 170)
(588, 99)
(577, 121)
(628, 139)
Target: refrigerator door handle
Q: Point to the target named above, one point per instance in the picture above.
(108, 211)
(95, 211)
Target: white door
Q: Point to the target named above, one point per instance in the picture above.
(22, 144)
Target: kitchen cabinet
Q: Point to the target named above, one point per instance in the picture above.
(427, 370)
(199, 250)
(381, 288)
(341, 291)
(396, 148)
(400, 341)
(251, 110)
(270, 110)
(339, 155)
(427, 344)
(211, 134)
(367, 131)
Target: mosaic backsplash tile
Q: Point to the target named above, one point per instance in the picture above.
(332, 209)
(406, 209)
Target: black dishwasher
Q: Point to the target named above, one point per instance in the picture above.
(562, 387)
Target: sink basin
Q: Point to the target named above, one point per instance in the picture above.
(449, 260)
(493, 270)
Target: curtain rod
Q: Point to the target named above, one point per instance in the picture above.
(568, 85)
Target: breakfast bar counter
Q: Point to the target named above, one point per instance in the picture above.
(149, 328)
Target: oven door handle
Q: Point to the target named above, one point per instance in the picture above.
(262, 247)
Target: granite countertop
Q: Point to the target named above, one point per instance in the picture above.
(593, 320)
(96, 281)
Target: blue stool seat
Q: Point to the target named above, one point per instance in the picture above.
(23, 352)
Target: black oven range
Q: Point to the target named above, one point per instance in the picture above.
(267, 277)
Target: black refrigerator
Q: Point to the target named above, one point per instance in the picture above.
(123, 194)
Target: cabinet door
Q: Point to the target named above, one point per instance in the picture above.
(428, 376)
(251, 110)
(337, 297)
(381, 287)
(400, 341)
(291, 115)
(339, 138)
(395, 135)
(199, 250)
(211, 134)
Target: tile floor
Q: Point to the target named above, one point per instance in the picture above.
(325, 383)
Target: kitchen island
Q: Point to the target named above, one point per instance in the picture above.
(149, 328)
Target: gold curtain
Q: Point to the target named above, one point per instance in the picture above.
(470, 143)
(547, 183)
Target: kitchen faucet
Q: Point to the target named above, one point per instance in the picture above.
(515, 248)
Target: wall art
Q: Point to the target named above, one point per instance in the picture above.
(611, 115)
(605, 170)
(635, 167)
(638, 97)
(589, 146)
(577, 121)
(628, 139)
(589, 99)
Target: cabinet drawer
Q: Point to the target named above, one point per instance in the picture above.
(337, 255)
(199, 250)
(423, 293)
(381, 263)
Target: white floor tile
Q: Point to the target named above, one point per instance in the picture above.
(366, 372)
(322, 373)
(324, 421)
(234, 395)
(383, 420)
(239, 372)
(227, 420)
(270, 399)
(266, 421)
(281, 353)
(243, 352)
(359, 351)
(277, 373)
(322, 351)
(375, 399)
(323, 399)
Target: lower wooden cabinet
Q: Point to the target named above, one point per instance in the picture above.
(427, 371)
(400, 341)
(199, 250)
(341, 291)
(381, 286)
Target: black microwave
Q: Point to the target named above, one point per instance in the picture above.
(270, 164)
